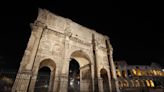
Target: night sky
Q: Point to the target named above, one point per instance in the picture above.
(133, 27)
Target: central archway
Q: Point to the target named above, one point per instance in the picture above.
(74, 76)
(81, 71)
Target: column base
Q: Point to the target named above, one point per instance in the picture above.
(21, 83)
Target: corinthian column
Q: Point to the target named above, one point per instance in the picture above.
(25, 71)
(113, 69)
(37, 31)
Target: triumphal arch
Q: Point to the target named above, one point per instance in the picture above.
(63, 56)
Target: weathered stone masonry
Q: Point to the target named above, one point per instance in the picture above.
(54, 41)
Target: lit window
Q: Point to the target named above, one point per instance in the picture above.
(134, 71)
(124, 74)
(151, 83)
(155, 73)
(151, 72)
(160, 73)
(147, 83)
(118, 73)
(138, 72)
(148, 72)
(144, 73)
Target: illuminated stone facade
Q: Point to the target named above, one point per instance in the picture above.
(56, 41)
(139, 78)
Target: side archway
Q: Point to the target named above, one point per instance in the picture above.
(105, 80)
(43, 80)
(45, 76)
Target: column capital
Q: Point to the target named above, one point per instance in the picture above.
(37, 24)
(25, 72)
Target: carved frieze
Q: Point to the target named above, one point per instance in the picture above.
(45, 48)
(51, 43)
(45, 44)
(75, 39)
(68, 32)
(73, 47)
(100, 41)
(59, 34)
(57, 49)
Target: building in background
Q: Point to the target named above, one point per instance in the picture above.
(139, 78)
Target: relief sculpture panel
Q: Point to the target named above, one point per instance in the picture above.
(51, 44)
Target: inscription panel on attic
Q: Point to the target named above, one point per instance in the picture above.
(73, 55)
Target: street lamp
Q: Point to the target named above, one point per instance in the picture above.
(162, 70)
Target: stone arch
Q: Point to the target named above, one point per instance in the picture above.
(125, 83)
(51, 65)
(47, 63)
(85, 69)
(105, 79)
(80, 53)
